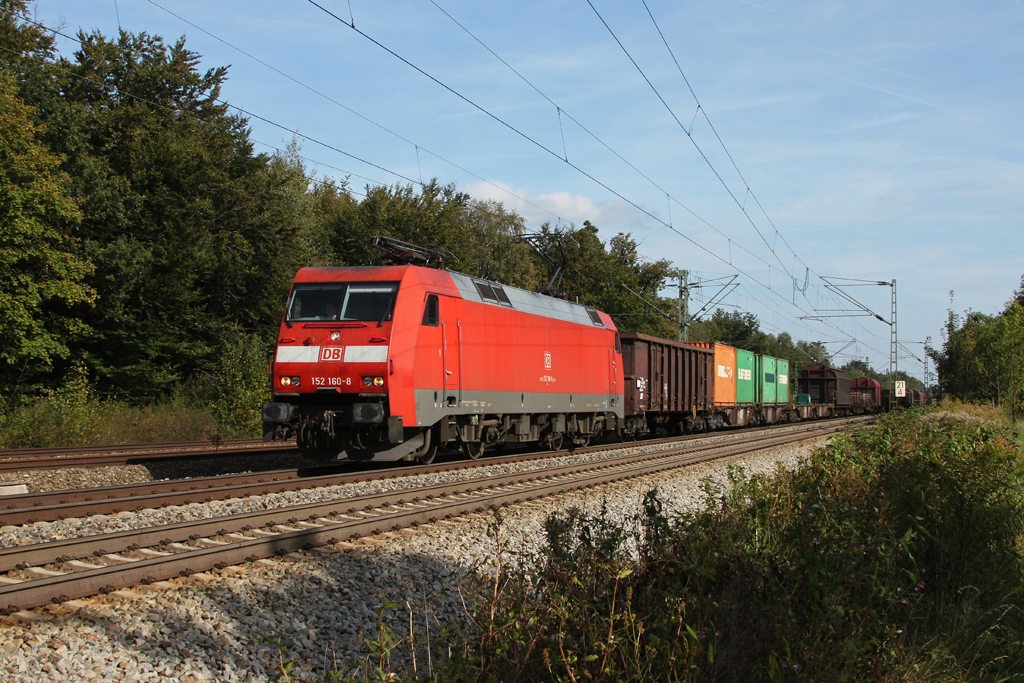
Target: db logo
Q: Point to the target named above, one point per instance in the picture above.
(331, 353)
(547, 360)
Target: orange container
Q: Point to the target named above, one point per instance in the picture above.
(725, 372)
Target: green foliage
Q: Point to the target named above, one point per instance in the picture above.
(39, 278)
(602, 274)
(895, 553)
(190, 233)
(19, 40)
(242, 384)
(982, 356)
(481, 236)
(73, 415)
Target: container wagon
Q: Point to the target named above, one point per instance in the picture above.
(750, 389)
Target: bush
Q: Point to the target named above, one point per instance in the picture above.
(242, 384)
(895, 553)
(226, 405)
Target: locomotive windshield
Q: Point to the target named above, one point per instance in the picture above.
(356, 301)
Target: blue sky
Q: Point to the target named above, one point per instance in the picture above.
(881, 139)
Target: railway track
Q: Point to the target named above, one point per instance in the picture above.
(48, 506)
(36, 575)
(21, 459)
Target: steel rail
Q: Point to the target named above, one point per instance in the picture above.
(45, 553)
(49, 506)
(381, 512)
(20, 459)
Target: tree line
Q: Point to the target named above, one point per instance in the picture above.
(982, 356)
(142, 235)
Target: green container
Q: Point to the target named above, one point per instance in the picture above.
(767, 379)
(782, 380)
(746, 371)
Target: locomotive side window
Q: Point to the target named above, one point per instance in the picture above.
(430, 313)
(618, 346)
(342, 301)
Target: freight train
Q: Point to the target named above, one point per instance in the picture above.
(395, 362)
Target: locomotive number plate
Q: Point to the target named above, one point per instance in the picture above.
(331, 381)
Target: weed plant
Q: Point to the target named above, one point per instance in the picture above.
(894, 554)
(73, 415)
(223, 404)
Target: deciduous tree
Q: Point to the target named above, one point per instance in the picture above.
(39, 277)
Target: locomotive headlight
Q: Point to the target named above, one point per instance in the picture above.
(286, 381)
(378, 381)
(367, 381)
(335, 335)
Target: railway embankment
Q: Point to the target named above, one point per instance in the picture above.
(319, 611)
(886, 552)
(893, 554)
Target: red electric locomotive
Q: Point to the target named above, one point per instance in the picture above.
(391, 362)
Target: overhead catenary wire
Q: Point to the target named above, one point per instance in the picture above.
(352, 111)
(703, 111)
(689, 137)
(545, 148)
(562, 112)
(299, 135)
(416, 146)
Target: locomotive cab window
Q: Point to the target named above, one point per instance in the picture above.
(594, 317)
(342, 301)
(431, 316)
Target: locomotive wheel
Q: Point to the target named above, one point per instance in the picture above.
(473, 449)
(426, 453)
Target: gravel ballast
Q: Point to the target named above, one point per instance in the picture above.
(314, 611)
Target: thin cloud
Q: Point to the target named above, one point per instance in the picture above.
(562, 205)
(859, 61)
(766, 9)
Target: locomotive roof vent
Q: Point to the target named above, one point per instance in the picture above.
(491, 291)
